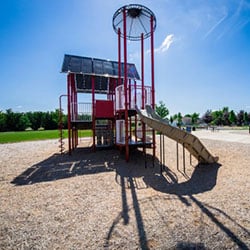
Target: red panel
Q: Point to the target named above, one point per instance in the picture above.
(104, 109)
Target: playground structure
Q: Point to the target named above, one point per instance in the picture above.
(114, 121)
(126, 117)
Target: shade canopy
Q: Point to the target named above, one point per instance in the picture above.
(138, 21)
(102, 70)
(94, 66)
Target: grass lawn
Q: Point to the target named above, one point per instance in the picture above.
(8, 137)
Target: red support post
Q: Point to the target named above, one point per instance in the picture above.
(142, 70)
(125, 82)
(152, 62)
(69, 111)
(135, 97)
(73, 109)
(119, 57)
(152, 76)
(143, 92)
(93, 110)
(76, 110)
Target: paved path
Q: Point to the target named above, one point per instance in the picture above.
(241, 136)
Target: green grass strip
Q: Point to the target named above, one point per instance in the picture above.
(10, 137)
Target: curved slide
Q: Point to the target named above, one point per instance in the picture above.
(189, 141)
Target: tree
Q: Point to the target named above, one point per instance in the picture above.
(23, 122)
(171, 119)
(232, 118)
(217, 117)
(179, 119)
(16, 121)
(240, 118)
(207, 117)
(50, 120)
(162, 110)
(248, 118)
(2, 122)
(225, 116)
(11, 120)
(35, 119)
(245, 118)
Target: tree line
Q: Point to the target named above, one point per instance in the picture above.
(16, 121)
(222, 117)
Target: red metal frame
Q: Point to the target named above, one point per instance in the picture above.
(69, 111)
(73, 111)
(143, 87)
(153, 76)
(93, 111)
(119, 56)
(129, 95)
(125, 82)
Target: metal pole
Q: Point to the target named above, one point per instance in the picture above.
(184, 160)
(177, 155)
(119, 57)
(142, 90)
(73, 110)
(125, 82)
(76, 110)
(142, 70)
(61, 123)
(93, 110)
(152, 76)
(135, 97)
(69, 113)
(161, 153)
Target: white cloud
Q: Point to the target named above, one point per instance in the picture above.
(165, 44)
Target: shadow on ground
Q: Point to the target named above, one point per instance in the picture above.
(132, 177)
(83, 161)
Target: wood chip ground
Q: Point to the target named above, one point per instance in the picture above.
(98, 201)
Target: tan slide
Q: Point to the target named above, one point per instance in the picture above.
(189, 141)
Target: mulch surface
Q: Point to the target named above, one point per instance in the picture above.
(98, 201)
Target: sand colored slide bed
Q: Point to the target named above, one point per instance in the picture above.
(189, 141)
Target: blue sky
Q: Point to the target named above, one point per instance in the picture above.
(202, 50)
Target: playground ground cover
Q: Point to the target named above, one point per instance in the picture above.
(98, 201)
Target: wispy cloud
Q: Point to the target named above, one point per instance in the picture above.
(236, 22)
(165, 45)
(239, 8)
(215, 26)
(169, 39)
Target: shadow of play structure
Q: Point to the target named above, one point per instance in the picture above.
(120, 120)
(133, 177)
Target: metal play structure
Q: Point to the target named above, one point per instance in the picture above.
(114, 120)
(125, 117)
